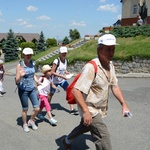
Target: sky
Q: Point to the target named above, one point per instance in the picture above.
(55, 18)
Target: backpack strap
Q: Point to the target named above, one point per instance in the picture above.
(95, 66)
(58, 62)
(42, 79)
(66, 60)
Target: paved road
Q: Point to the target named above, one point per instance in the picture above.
(126, 134)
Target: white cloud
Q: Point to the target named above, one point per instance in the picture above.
(21, 22)
(28, 26)
(1, 14)
(2, 20)
(24, 23)
(32, 8)
(108, 7)
(102, 1)
(74, 23)
(44, 17)
(119, 17)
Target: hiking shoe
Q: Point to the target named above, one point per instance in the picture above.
(25, 128)
(74, 112)
(67, 146)
(40, 116)
(53, 121)
(32, 124)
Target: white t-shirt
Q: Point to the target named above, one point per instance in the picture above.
(61, 69)
(44, 88)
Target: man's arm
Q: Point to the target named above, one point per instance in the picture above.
(118, 94)
(81, 102)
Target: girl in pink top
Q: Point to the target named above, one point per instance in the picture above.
(43, 92)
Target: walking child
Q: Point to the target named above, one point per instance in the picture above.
(59, 67)
(43, 92)
(2, 72)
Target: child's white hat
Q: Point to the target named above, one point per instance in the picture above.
(46, 68)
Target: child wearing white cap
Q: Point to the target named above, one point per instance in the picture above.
(2, 72)
(60, 68)
(43, 92)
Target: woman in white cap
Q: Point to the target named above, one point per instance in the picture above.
(26, 78)
(2, 72)
(43, 92)
(60, 67)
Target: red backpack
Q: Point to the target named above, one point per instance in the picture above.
(69, 96)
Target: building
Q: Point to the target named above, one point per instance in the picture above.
(133, 9)
(26, 37)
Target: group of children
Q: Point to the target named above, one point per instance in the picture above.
(46, 86)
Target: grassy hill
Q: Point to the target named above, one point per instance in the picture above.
(129, 47)
(135, 46)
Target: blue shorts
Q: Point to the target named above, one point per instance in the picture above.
(32, 95)
(64, 85)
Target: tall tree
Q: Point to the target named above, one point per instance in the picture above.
(74, 34)
(41, 45)
(10, 47)
(66, 41)
(51, 42)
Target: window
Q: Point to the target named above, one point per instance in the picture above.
(135, 9)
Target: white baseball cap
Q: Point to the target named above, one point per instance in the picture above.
(27, 51)
(46, 68)
(63, 49)
(107, 39)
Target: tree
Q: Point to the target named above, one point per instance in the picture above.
(41, 45)
(74, 34)
(27, 44)
(65, 41)
(10, 47)
(51, 42)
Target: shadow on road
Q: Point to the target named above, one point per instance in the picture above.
(78, 143)
(59, 107)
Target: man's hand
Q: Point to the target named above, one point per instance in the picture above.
(87, 118)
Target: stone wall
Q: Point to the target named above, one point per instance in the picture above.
(137, 65)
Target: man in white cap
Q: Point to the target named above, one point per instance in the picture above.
(91, 93)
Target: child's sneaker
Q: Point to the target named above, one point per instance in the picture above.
(53, 121)
(25, 128)
(32, 124)
(40, 116)
(1, 95)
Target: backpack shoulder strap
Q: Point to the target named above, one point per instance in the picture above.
(57, 63)
(42, 79)
(94, 64)
(66, 60)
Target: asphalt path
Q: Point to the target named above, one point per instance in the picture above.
(126, 133)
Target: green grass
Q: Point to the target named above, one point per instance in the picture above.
(35, 57)
(135, 46)
(129, 47)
